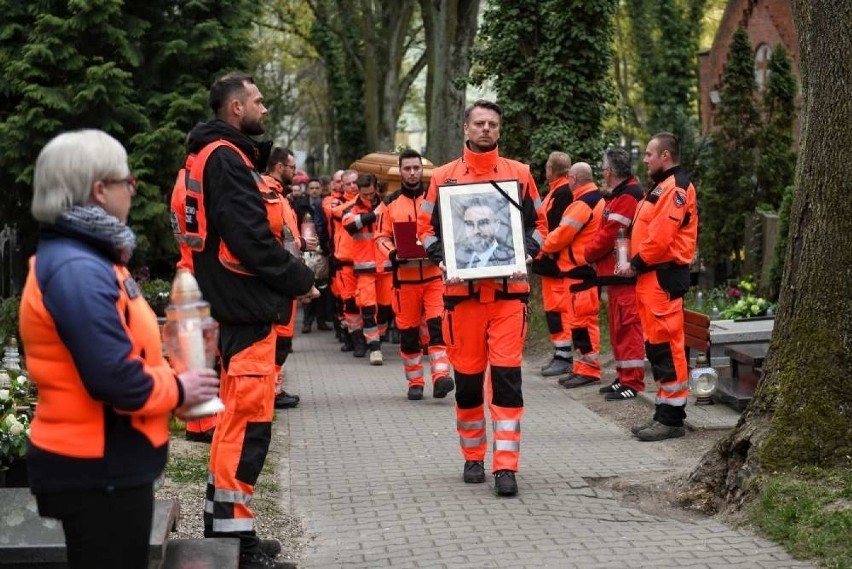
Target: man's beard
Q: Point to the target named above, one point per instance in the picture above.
(252, 128)
(480, 244)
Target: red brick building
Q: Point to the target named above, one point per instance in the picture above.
(768, 23)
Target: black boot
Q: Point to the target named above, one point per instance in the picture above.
(346, 341)
(359, 343)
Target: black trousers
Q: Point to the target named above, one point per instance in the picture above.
(103, 529)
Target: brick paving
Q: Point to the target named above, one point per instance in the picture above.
(376, 480)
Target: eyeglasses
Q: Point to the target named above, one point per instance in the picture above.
(129, 182)
(291, 166)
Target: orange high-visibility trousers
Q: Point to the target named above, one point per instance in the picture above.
(482, 336)
(242, 436)
(583, 307)
(662, 323)
(373, 297)
(554, 294)
(625, 333)
(418, 306)
(347, 284)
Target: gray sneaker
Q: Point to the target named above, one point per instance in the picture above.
(557, 366)
(659, 432)
(635, 430)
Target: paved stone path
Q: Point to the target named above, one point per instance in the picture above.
(377, 482)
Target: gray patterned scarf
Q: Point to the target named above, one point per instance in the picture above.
(94, 220)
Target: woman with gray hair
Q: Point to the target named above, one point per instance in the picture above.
(100, 437)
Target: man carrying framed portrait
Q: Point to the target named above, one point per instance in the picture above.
(485, 296)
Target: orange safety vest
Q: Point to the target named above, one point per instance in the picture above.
(188, 215)
(69, 421)
(289, 221)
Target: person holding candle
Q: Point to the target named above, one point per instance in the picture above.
(100, 438)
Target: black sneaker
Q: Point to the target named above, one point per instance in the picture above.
(415, 393)
(285, 400)
(611, 388)
(474, 472)
(504, 483)
(442, 387)
(260, 560)
(205, 437)
(623, 394)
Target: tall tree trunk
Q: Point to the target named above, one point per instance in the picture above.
(450, 28)
(802, 409)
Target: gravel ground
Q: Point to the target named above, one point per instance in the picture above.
(189, 460)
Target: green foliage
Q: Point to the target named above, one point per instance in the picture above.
(9, 308)
(777, 158)
(809, 511)
(157, 293)
(745, 303)
(138, 70)
(728, 188)
(346, 86)
(658, 48)
(549, 63)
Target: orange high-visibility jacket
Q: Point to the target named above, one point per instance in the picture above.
(578, 226)
(665, 228)
(288, 214)
(330, 202)
(403, 206)
(342, 238)
(359, 220)
(553, 206)
(93, 349)
(189, 218)
(482, 167)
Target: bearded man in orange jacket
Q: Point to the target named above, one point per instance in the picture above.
(662, 245)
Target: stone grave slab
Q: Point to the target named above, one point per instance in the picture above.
(28, 540)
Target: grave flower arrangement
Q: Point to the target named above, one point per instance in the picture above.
(14, 420)
(745, 303)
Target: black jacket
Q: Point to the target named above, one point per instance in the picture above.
(236, 214)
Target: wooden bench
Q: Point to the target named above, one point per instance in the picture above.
(696, 329)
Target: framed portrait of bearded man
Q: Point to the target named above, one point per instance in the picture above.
(481, 230)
